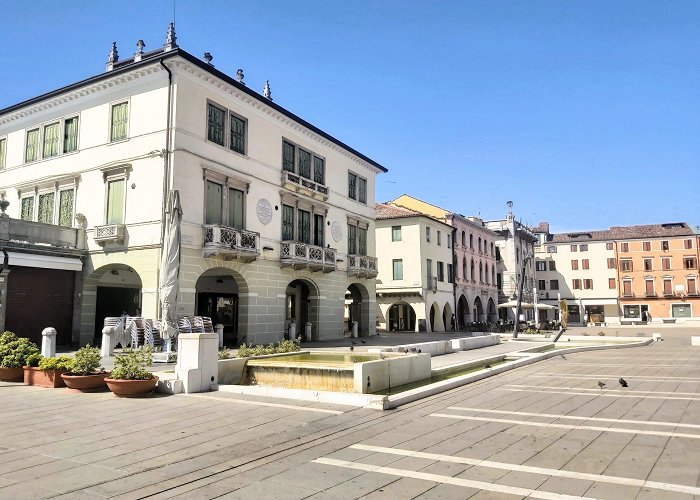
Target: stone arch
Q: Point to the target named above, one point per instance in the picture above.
(478, 310)
(401, 317)
(462, 311)
(447, 317)
(491, 308)
(435, 318)
(301, 307)
(221, 293)
(357, 308)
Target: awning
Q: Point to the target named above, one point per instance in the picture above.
(45, 261)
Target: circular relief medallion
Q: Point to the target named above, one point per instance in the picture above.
(336, 231)
(264, 211)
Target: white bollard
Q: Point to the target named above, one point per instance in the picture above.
(354, 329)
(198, 362)
(48, 342)
(307, 331)
(107, 342)
(656, 336)
(292, 330)
(220, 331)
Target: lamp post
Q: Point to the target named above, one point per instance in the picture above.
(520, 295)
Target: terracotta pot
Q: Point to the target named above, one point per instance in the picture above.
(46, 378)
(128, 388)
(94, 381)
(11, 374)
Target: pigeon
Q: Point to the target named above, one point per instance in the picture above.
(623, 382)
(487, 366)
(563, 357)
(601, 384)
(419, 351)
(413, 349)
(381, 356)
(363, 341)
(353, 342)
(352, 347)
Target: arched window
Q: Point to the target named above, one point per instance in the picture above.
(517, 255)
(471, 270)
(486, 272)
(480, 243)
(471, 241)
(464, 267)
(492, 253)
(463, 239)
(493, 275)
(481, 272)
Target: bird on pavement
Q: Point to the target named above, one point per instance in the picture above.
(352, 347)
(419, 351)
(601, 384)
(363, 341)
(563, 357)
(412, 349)
(487, 366)
(623, 382)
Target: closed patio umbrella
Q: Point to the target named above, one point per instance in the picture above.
(170, 267)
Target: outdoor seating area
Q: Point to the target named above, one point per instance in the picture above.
(137, 332)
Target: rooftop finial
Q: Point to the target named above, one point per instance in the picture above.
(139, 50)
(208, 57)
(266, 90)
(113, 57)
(170, 39)
(509, 204)
(240, 76)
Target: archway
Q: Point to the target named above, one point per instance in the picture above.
(478, 310)
(357, 309)
(447, 317)
(117, 291)
(436, 324)
(463, 311)
(491, 308)
(302, 309)
(218, 293)
(402, 317)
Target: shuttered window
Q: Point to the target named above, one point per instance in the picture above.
(120, 119)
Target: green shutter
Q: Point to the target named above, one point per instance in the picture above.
(352, 178)
(287, 223)
(304, 226)
(27, 208)
(237, 135)
(51, 139)
(46, 208)
(287, 156)
(120, 119)
(304, 163)
(70, 135)
(362, 239)
(362, 184)
(115, 201)
(213, 213)
(318, 230)
(65, 208)
(352, 239)
(319, 170)
(235, 208)
(215, 124)
(3, 152)
(32, 150)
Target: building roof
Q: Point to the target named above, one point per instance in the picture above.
(385, 211)
(127, 65)
(666, 230)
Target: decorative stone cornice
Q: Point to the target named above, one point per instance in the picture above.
(259, 106)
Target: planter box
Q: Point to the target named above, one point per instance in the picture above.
(128, 388)
(12, 374)
(93, 382)
(46, 378)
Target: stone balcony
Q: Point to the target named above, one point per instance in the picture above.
(303, 255)
(229, 243)
(31, 233)
(298, 184)
(362, 266)
(110, 233)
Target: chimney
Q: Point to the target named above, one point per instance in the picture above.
(113, 57)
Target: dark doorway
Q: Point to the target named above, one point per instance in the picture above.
(222, 308)
(114, 301)
(402, 317)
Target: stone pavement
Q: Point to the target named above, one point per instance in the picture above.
(540, 431)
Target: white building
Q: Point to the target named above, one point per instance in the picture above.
(278, 216)
(415, 288)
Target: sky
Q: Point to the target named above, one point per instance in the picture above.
(585, 114)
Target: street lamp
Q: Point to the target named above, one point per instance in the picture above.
(526, 258)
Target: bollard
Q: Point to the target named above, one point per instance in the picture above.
(354, 329)
(292, 330)
(220, 330)
(307, 331)
(107, 342)
(48, 342)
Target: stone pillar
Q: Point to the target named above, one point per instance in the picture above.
(48, 342)
(292, 330)
(4, 275)
(198, 361)
(107, 342)
(220, 332)
(354, 329)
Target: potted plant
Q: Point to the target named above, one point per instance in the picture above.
(87, 372)
(129, 376)
(14, 352)
(46, 372)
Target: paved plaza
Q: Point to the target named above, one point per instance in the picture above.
(546, 430)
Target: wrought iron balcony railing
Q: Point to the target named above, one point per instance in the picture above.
(229, 243)
(362, 266)
(301, 255)
(110, 233)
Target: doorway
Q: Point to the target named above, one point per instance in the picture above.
(222, 308)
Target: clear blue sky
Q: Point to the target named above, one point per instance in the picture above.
(584, 113)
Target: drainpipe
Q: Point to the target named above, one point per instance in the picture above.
(165, 154)
(454, 274)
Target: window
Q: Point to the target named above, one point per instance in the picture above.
(486, 273)
(687, 244)
(649, 287)
(115, 201)
(450, 274)
(611, 283)
(631, 311)
(31, 152)
(666, 263)
(624, 247)
(552, 265)
(357, 188)
(471, 271)
(237, 135)
(668, 287)
(646, 246)
(120, 119)
(517, 255)
(319, 170)
(438, 238)
(689, 263)
(3, 151)
(318, 230)
(352, 239)
(304, 226)
(46, 205)
(664, 245)
(627, 288)
(647, 264)
(440, 271)
(464, 239)
(216, 118)
(498, 254)
(554, 284)
(362, 240)
(588, 284)
(288, 158)
(352, 186)
(574, 248)
(70, 135)
(625, 265)
(362, 190)
(395, 233)
(66, 199)
(288, 224)
(576, 284)
(427, 235)
(357, 237)
(464, 269)
(449, 241)
(397, 266)
(585, 264)
(609, 246)
(429, 270)
(52, 140)
(541, 265)
(471, 241)
(27, 208)
(583, 248)
(541, 284)
(690, 286)
(492, 253)
(480, 244)
(574, 265)
(224, 200)
(304, 163)
(611, 263)
(214, 203)
(551, 249)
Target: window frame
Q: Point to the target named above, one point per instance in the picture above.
(624, 247)
(612, 284)
(397, 276)
(441, 271)
(357, 194)
(226, 130)
(585, 264)
(688, 244)
(127, 128)
(554, 284)
(626, 265)
(612, 263)
(574, 265)
(665, 245)
(3, 152)
(359, 225)
(395, 233)
(576, 284)
(690, 262)
(227, 183)
(609, 246)
(588, 284)
(541, 265)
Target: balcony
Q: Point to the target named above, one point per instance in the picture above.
(362, 266)
(229, 243)
(111, 233)
(299, 184)
(28, 232)
(302, 255)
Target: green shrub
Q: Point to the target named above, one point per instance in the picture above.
(59, 363)
(87, 361)
(224, 353)
(531, 331)
(131, 365)
(34, 359)
(601, 333)
(14, 350)
(283, 346)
